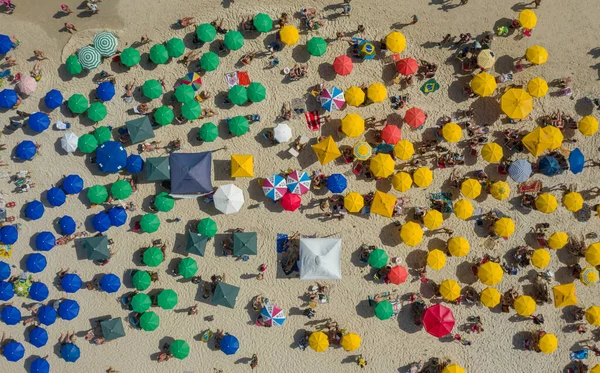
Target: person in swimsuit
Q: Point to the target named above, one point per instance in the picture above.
(128, 96)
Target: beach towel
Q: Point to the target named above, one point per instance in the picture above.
(5, 251)
(237, 78)
(281, 239)
(243, 78)
(313, 120)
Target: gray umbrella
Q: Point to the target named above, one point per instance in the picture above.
(112, 329)
(196, 243)
(244, 243)
(140, 129)
(96, 247)
(157, 169)
(225, 295)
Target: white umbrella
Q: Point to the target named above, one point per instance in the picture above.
(69, 142)
(320, 258)
(283, 133)
(228, 199)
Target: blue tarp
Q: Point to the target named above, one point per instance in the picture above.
(191, 173)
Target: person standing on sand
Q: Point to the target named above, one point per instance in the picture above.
(254, 361)
(415, 19)
(65, 8)
(536, 3)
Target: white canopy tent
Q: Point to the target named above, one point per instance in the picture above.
(320, 259)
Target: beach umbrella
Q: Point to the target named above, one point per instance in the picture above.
(353, 202)
(282, 133)
(382, 165)
(316, 46)
(546, 203)
(452, 132)
(34, 210)
(326, 150)
(8, 98)
(149, 223)
(47, 315)
(377, 92)
(234, 40)
(152, 257)
(537, 87)
(438, 320)
(527, 19)
(564, 295)
(536, 55)
(26, 150)
(68, 309)
(38, 337)
(97, 194)
(96, 247)
(13, 351)
(354, 96)
(486, 59)
(207, 227)
(105, 91)
(69, 142)
(36, 263)
(206, 32)
(89, 57)
(196, 243)
(140, 303)
(112, 329)
(87, 143)
(291, 202)
(159, 54)
(516, 103)
(238, 125)
(71, 283)
(433, 219)
(558, 240)
(121, 189)
(102, 134)
(470, 188)
(411, 233)
(209, 61)
(483, 84)
(262, 22)
(164, 202)
(9, 234)
(383, 204)
(362, 150)
(337, 183)
(111, 157)
(490, 297)
(378, 258)
(366, 50)
(256, 92)
(242, 165)
(134, 164)
(105, 43)
(415, 117)
(4, 271)
(404, 150)
(343, 65)
(225, 295)
(332, 99)
(436, 259)
(592, 315)
(149, 321)
(548, 343)
(397, 275)
(245, 243)
(130, 57)
(38, 291)
(70, 352)
(492, 152)
(589, 276)
(504, 227)
(458, 246)
(272, 315)
(175, 47)
(39, 122)
(141, 280)
(588, 125)
(318, 341)
(73, 66)
(72, 184)
(453, 368)
(524, 305)
(395, 42)
(77, 103)
(274, 187)
(407, 66)
(191, 110)
(6, 290)
(384, 310)
(192, 79)
(229, 344)
(208, 132)
(549, 166)
(573, 201)
(185, 93)
(180, 349)
(187, 267)
(391, 134)
(238, 95)
(152, 89)
(228, 199)
(450, 290)
(490, 273)
(289, 35)
(463, 209)
(10, 315)
(422, 177)
(576, 161)
(110, 283)
(519, 170)
(500, 190)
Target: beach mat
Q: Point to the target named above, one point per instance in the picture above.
(281, 239)
(313, 120)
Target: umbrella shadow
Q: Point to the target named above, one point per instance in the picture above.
(406, 320)
(584, 107)
(222, 170)
(300, 54)
(464, 274)
(389, 235)
(207, 207)
(326, 72)
(364, 310)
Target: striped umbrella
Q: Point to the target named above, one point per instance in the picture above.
(192, 79)
(106, 43)
(89, 58)
(274, 187)
(298, 182)
(362, 150)
(519, 170)
(332, 99)
(272, 315)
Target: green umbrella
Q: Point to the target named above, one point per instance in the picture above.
(141, 280)
(180, 349)
(159, 54)
(78, 104)
(96, 112)
(196, 244)
(120, 189)
(140, 129)
(175, 47)
(207, 227)
(164, 115)
(157, 169)
(102, 134)
(97, 194)
(167, 299)
(378, 258)
(244, 243)
(149, 321)
(238, 125)
(238, 95)
(191, 110)
(73, 65)
(187, 267)
(149, 223)
(317, 46)
(152, 258)
(87, 143)
(164, 202)
(208, 132)
(225, 295)
(96, 247)
(152, 89)
(234, 40)
(112, 329)
(263, 22)
(384, 310)
(209, 61)
(206, 32)
(130, 57)
(141, 303)
(184, 93)
(256, 92)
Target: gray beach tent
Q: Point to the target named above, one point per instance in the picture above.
(140, 129)
(191, 173)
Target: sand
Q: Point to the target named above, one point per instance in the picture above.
(567, 29)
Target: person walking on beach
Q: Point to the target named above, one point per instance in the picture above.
(254, 361)
(536, 3)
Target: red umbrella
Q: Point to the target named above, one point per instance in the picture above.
(407, 66)
(343, 65)
(438, 320)
(290, 202)
(391, 134)
(397, 275)
(415, 117)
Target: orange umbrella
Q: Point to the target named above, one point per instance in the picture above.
(407, 66)
(343, 65)
(415, 117)
(391, 134)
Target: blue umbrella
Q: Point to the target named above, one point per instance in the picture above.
(26, 150)
(111, 157)
(519, 170)
(56, 196)
(549, 166)
(38, 337)
(8, 98)
(67, 225)
(229, 344)
(117, 216)
(39, 122)
(38, 291)
(14, 351)
(105, 91)
(135, 163)
(5, 44)
(6, 291)
(72, 184)
(69, 352)
(9, 234)
(34, 210)
(45, 241)
(36, 263)
(576, 161)
(68, 309)
(110, 283)
(46, 315)
(40, 365)
(101, 222)
(4, 270)
(337, 183)
(53, 99)
(10, 315)
(71, 283)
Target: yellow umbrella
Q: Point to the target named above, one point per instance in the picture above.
(458, 246)
(595, 369)
(483, 84)
(383, 204)
(326, 150)
(382, 165)
(537, 87)
(377, 92)
(452, 132)
(470, 188)
(289, 35)
(463, 209)
(362, 150)
(433, 219)
(492, 152)
(436, 259)
(516, 103)
(450, 289)
(589, 276)
(564, 295)
(351, 341)
(242, 165)
(504, 227)
(411, 233)
(592, 254)
(548, 343)
(500, 190)
(318, 341)
(588, 125)
(573, 201)
(524, 305)
(536, 55)
(540, 258)
(354, 202)
(353, 125)
(422, 177)
(402, 181)
(395, 42)
(558, 240)
(592, 315)
(555, 135)
(490, 297)
(354, 96)
(486, 59)
(546, 203)
(404, 149)
(537, 141)
(527, 19)
(453, 368)
(490, 273)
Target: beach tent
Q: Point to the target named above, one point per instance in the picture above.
(196, 243)
(140, 129)
(191, 173)
(96, 247)
(320, 258)
(225, 295)
(244, 243)
(112, 329)
(158, 169)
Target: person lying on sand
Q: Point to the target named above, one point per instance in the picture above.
(186, 21)
(70, 28)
